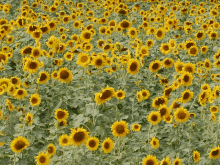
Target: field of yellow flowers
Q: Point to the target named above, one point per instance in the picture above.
(103, 82)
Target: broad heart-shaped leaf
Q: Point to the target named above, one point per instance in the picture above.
(80, 119)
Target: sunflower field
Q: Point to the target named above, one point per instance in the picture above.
(109, 82)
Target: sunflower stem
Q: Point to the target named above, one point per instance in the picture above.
(149, 139)
(15, 159)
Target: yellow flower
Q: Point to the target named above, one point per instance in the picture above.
(35, 99)
(43, 77)
(187, 95)
(92, 143)
(120, 94)
(86, 36)
(165, 48)
(61, 115)
(155, 66)
(51, 150)
(136, 127)
(83, 59)
(64, 140)
(79, 136)
(65, 75)
(177, 161)
(107, 145)
(133, 66)
(154, 118)
(181, 115)
(214, 153)
(196, 156)
(42, 159)
(18, 144)
(20, 93)
(186, 79)
(155, 143)
(29, 118)
(159, 34)
(120, 129)
(150, 160)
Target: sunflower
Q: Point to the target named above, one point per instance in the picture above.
(179, 66)
(145, 93)
(3, 57)
(125, 24)
(139, 96)
(189, 67)
(35, 100)
(207, 64)
(150, 43)
(5, 83)
(196, 156)
(158, 101)
(92, 143)
(120, 94)
(213, 35)
(159, 34)
(20, 93)
(203, 97)
(65, 75)
(86, 36)
(98, 61)
(200, 35)
(133, 66)
(61, 114)
(154, 118)
(136, 127)
(193, 50)
(165, 161)
(42, 159)
(120, 129)
(132, 32)
(64, 140)
(187, 95)
(181, 115)
(164, 111)
(16, 81)
(186, 79)
(10, 39)
(165, 48)
(18, 144)
(51, 150)
(154, 143)
(168, 62)
(78, 136)
(177, 161)
(26, 50)
(44, 77)
(37, 34)
(217, 63)
(150, 160)
(107, 145)
(213, 109)
(77, 24)
(155, 66)
(29, 118)
(144, 51)
(32, 66)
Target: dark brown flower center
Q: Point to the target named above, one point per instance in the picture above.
(92, 143)
(79, 136)
(19, 145)
(64, 74)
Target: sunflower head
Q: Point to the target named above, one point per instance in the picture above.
(42, 158)
(65, 75)
(79, 136)
(18, 144)
(92, 143)
(154, 118)
(120, 129)
(107, 145)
